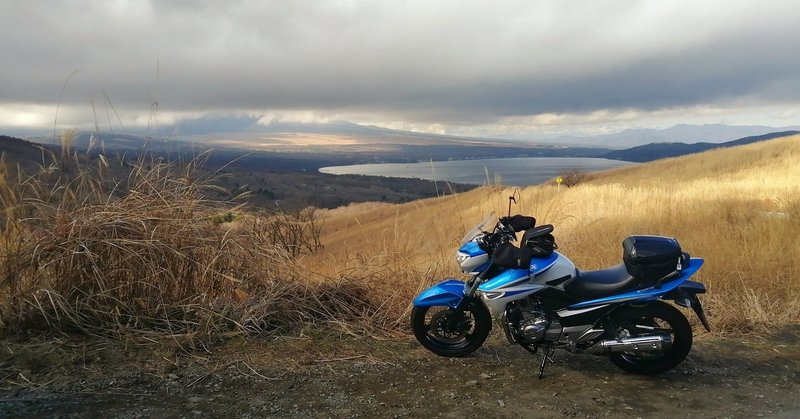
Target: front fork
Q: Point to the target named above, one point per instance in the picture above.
(470, 290)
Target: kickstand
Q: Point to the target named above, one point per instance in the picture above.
(547, 355)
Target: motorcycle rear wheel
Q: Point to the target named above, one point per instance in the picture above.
(451, 333)
(666, 319)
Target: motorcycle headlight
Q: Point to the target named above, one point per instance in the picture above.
(461, 257)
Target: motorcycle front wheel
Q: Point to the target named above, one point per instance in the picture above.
(658, 318)
(447, 332)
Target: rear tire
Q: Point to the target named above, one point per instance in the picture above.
(447, 332)
(667, 319)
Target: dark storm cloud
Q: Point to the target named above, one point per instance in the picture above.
(451, 62)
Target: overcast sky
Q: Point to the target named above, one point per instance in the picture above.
(522, 69)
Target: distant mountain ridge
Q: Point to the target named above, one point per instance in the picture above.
(19, 151)
(343, 142)
(686, 133)
(655, 151)
(682, 133)
(211, 128)
(13, 145)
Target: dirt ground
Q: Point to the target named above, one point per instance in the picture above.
(321, 377)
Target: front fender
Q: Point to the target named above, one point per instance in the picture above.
(447, 293)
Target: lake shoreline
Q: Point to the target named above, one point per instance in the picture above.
(511, 171)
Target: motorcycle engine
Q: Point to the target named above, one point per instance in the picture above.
(525, 321)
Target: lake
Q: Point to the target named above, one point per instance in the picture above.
(521, 171)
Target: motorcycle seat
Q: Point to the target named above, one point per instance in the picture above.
(601, 283)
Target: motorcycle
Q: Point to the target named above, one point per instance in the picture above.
(546, 303)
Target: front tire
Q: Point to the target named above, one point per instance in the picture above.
(656, 317)
(447, 332)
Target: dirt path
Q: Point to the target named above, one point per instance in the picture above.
(351, 378)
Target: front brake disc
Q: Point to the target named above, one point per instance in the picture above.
(449, 329)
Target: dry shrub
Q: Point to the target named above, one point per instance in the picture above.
(296, 232)
(81, 253)
(572, 177)
(393, 280)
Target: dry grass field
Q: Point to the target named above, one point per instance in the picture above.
(151, 255)
(737, 208)
(144, 255)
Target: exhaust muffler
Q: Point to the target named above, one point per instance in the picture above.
(637, 344)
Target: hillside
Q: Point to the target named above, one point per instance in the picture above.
(275, 181)
(17, 150)
(655, 151)
(304, 147)
(737, 207)
(152, 293)
(681, 133)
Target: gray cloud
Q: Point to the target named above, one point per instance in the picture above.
(448, 62)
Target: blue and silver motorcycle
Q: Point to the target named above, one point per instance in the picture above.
(545, 302)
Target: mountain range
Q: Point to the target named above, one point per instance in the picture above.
(216, 128)
(655, 151)
(342, 142)
(220, 127)
(683, 133)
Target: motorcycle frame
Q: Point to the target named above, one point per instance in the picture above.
(514, 284)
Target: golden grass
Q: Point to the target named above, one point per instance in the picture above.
(81, 252)
(737, 208)
(145, 256)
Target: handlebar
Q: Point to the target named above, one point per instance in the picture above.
(506, 229)
(502, 232)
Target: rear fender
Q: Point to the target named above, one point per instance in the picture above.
(447, 293)
(686, 295)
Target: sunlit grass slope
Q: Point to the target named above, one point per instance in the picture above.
(737, 208)
(83, 252)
